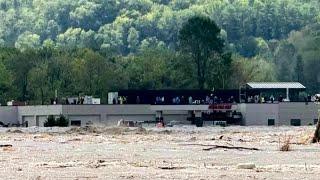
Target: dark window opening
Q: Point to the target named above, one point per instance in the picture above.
(295, 122)
(75, 123)
(271, 122)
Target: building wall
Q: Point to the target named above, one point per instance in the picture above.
(282, 113)
(259, 114)
(85, 119)
(106, 109)
(253, 114)
(111, 114)
(9, 114)
(108, 114)
(112, 119)
(40, 120)
(177, 115)
(98, 114)
(180, 107)
(306, 112)
(37, 115)
(242, 108)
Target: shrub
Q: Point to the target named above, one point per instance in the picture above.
(286, 144)
(61, 121)
(50, 121)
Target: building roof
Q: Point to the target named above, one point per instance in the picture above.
(275, 85)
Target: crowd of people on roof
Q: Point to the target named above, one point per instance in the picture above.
(210, 99)
(264, 99)
(314, 98)
(120, 100)
(182, 100)
(280, 98)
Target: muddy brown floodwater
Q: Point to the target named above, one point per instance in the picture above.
(183, 152)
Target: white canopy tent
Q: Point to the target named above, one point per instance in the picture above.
(276, 85)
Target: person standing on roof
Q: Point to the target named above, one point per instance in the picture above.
(190, 100)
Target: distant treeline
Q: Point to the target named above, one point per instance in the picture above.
(95, 46)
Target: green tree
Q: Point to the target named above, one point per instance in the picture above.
(28, 40)
(133, 39)
(246, 70)
(5, 83)
(88, 69)
(285, 56)
(51, 121)
(299, 69)
(20, 66)
(60, 76)
(121, 32)
(39, 88)
(218, 78)
(75, 38)
(149, 69)
(62, 121)
(200, 38)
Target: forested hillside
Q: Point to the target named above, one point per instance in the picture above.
(93, 46)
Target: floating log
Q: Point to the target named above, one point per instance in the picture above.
(211, 147)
